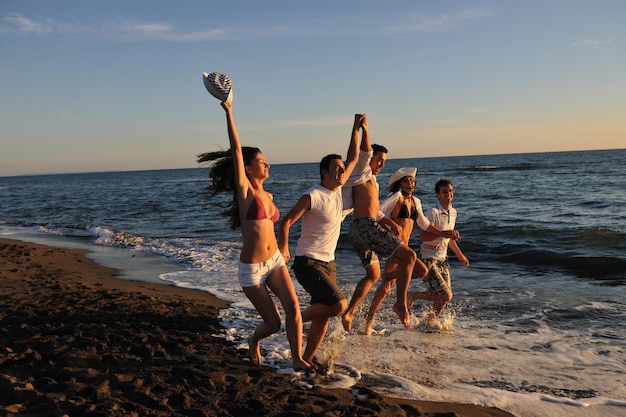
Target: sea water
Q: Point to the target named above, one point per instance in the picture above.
(537, 325)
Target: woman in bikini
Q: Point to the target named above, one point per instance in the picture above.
(404, 209)
(242, 171)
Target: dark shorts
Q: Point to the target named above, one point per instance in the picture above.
(438, 279)
(369, 238)
(319, 279)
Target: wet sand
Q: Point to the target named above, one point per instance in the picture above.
(76, 341)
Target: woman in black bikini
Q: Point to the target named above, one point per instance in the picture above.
(404, 209)
(242, 171)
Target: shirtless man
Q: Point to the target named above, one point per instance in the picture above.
(372, 233)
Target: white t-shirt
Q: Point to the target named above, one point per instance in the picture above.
(444, 220)
(321, 225)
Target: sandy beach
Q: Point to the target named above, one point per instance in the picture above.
(75, 341)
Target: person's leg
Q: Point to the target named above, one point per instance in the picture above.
(440, 302)
(280, 283)
(262, 301)
(361, 290)
(321, 311)
(319, 279)
(405, 258)
(314, 338)
(391, 273)
(319, 315)
(445, 295)
(384, 243)
(363, 233)
(412, 297)
(439, 288)
(420, 270)
(383, 290)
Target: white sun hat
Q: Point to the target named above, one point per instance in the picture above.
(401, 173)
(219, 85)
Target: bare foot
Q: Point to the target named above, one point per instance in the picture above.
(346, 320)
(404, 315)
(254, 351)
(302, 365)
(368, 329)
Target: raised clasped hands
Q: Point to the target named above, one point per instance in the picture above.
(360, 121)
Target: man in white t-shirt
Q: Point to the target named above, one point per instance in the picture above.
(321, 210)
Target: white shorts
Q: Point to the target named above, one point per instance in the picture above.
(251, 275)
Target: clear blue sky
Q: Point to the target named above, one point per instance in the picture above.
(117, 84)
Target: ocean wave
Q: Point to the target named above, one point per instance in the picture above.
(579, 254)
(609, 269)
(512, 167)
(601, 234)
(204, 254)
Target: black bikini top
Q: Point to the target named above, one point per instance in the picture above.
(403, 213)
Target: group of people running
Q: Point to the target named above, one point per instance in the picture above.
(376, 231)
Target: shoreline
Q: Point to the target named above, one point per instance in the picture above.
(75, 340)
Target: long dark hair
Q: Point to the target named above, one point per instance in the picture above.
(222, 174)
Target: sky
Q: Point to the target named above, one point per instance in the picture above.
(116, 85)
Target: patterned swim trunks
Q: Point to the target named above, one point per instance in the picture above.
(438, 279)
(369, 238)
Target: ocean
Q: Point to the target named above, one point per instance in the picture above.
(537, 325)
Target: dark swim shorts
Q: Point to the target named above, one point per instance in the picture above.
(319, 279)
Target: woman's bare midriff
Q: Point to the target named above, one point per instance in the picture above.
(259, 241)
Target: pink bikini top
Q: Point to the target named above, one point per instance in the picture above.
(256, 211)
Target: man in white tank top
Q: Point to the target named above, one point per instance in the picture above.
(321, 210)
